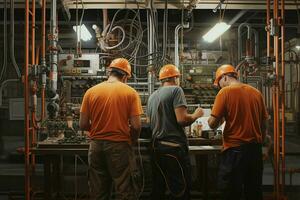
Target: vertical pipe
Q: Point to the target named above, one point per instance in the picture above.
(105, 18)
(43, 59)
(283, 95)
(53, 47)
(268, 29)
(240, 44)
(12, 38)
(34, 96)
(256, 44)
(176, 56)
(268, 44)
(150, 51)
(33, 33)
(26, 103)
(276, 54)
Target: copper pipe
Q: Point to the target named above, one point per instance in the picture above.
(268, 29)
(33, 33)
(43, 30)
(37, 55)
(282, 96)
(33, 58)
(268, 48)
(276, 110)
(26, 103)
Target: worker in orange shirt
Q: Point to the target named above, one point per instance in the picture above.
(242, 107)
(167, 114)
(111, 112)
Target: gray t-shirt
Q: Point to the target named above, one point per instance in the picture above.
(163, 120)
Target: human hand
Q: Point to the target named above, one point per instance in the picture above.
(198, 113)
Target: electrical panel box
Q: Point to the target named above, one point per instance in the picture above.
(86, 65)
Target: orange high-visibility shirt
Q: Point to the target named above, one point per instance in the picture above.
(244, 111)
(109, 106)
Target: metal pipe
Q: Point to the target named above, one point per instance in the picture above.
(33, 33)
(240, 45)
(43, 59)
(268, 29)
(12, 39)
(150, 51)
(105, 18)
(176, 56)
(53, 47)
(276, 110)
(256, 44)
(4, 66)
(237, 17)
(26, 104)
(282, 97)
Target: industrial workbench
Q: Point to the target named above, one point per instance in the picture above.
(52, 159)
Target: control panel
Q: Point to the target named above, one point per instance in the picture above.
(86, 65)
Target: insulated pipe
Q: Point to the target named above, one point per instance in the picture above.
(240, 47)
(176, 56)
(12, 38)
(282, 97)
(53, 47)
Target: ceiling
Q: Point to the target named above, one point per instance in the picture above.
(160, 4)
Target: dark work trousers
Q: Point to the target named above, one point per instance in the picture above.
(240, 172)
(112, 163)
(170, 166)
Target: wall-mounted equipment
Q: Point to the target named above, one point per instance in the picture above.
(86, 65)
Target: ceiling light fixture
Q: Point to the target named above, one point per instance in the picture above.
(216, 32)
(83, 33)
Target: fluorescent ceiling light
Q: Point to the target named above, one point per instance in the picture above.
(83, 33)
(216, 32)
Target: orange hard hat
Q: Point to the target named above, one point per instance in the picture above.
(122, 64)
(168, 71)
(224, 69)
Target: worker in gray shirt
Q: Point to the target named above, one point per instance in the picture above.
(167, 115)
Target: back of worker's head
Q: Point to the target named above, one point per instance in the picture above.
(120, 68)
(225, 75)
(169, 74)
